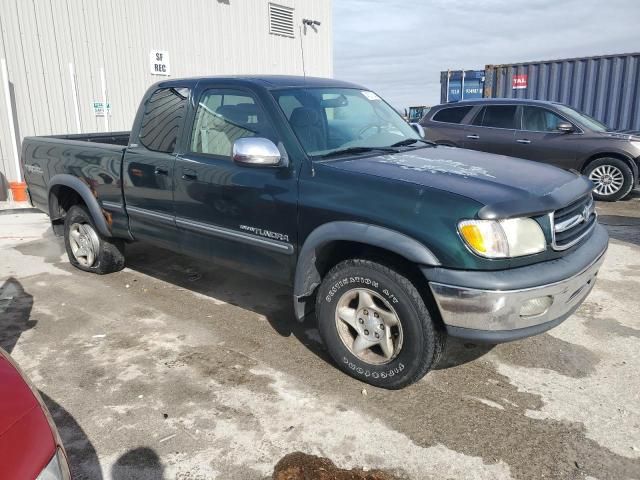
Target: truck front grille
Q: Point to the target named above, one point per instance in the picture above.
(572, 223)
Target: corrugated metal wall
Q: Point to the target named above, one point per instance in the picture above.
(605, 87)
(40, 38)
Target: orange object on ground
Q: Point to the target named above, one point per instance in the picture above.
(19, 191)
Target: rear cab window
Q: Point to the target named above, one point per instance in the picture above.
(451, 114)
(497, 116)
(163, 118)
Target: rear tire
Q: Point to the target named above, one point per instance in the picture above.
(612, 178)
(376, 325)
(86, 248)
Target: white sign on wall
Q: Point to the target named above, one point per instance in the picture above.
(159, 62)
(98, 108)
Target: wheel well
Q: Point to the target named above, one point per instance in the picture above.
(332, 253)
(619, 156)
(61, 199)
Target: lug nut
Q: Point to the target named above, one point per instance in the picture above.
(366, 332)
(375, 314)
(377, 335)
(381, 326)
(365, 312)
(361, 320)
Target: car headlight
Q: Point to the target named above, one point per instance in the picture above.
(513, 237)
(56, 469)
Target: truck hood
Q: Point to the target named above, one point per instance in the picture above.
(506, 186)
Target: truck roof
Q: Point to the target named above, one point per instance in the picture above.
(264, 81)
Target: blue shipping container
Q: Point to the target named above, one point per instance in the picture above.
(459, 85)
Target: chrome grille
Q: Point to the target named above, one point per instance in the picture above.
(572, 223)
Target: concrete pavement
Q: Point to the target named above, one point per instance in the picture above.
(174, 368)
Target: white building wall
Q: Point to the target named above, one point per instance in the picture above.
(40, 38)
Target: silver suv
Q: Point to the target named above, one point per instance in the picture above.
(546, 132)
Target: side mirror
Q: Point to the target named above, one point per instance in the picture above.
(256, 152)
(565, 127)
(418, 128)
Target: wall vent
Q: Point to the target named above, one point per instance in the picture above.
(281, 20)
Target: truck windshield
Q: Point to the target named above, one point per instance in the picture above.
(327, 120)
(586, 120)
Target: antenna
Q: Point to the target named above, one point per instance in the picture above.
(304, 73)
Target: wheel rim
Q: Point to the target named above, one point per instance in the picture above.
(84, 243)
(608, 179)
(368, 326)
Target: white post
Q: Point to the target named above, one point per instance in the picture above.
(12, 126)
(448, 79)
(104, 99)
(462, 86)
(74, 91)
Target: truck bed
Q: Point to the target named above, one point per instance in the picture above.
(94, 158)
(105, 138)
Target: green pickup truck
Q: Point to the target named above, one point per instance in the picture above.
(389, 242)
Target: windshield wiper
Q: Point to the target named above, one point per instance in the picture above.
(346, 151)
(410, 141)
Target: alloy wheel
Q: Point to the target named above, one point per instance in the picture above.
(85, 243)
(608, 179)
(368, 326)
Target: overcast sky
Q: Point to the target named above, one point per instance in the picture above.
(399, 47)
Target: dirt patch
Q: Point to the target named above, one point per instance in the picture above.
(547, 351)
(610, 326)
(301, 466)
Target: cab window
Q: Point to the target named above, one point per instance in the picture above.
(451, 115)
(162, 120)
(497, 116)
(537, 119)
(224, 116)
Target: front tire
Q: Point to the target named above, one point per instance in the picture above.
(376, 325)
(86, 248)
(612, 178)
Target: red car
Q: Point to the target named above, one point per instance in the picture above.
(30, 447)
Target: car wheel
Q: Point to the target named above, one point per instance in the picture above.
(86, 248)
(376, 325)
(612, 178)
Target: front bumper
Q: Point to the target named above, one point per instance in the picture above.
(489, 309)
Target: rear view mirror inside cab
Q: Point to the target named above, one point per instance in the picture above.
(334, 101)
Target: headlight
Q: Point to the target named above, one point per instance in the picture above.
(56, 469)
(513, 237)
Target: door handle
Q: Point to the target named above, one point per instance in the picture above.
(523, 140)
(473, 137)
(161, 171)
(188, 174)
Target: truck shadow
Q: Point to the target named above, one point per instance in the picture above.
(270, 300)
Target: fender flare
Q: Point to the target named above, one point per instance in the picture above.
(85, 193)
(307, 277)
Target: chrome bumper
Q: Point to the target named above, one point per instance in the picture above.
(495, 315)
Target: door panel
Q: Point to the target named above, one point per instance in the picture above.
(539, 140)
(492, 130)
(244, 217)
(149, 166)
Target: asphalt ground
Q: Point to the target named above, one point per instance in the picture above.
(174, 368)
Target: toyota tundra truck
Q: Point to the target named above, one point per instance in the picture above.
(389, 242)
